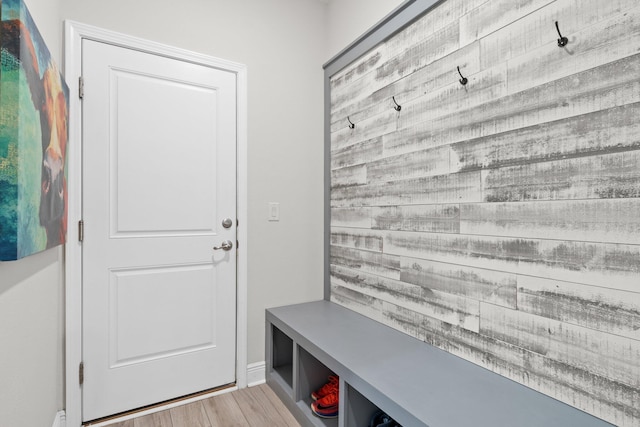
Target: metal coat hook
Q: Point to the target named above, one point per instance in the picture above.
(463, 80)
(397, 107)
(562, 41)
(351, 125)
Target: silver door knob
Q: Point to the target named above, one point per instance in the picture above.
(226, 245)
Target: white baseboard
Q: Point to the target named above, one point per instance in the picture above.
(256, 374)
(60, 420)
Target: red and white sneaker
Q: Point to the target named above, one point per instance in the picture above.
(326, 407)
(329, 388)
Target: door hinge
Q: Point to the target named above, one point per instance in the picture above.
(81, 373)
(81, 87)
(80, 230)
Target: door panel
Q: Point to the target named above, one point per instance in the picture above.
(153, 291)
(159, 144)
(185, 198)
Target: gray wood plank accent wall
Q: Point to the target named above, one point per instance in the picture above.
(499, 220)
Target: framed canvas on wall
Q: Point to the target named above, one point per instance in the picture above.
(34, 115)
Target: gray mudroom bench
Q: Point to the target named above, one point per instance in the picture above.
(380, 368)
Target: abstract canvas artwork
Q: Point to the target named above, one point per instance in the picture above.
(34, 115)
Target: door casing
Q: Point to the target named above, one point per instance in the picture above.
(74, 34)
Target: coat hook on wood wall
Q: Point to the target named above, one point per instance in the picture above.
(463, 80)
(351, 125)
(562, 41)
(397, 107)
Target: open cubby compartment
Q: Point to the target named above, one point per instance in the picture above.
(312, 374)
(282, 357)
(358, 409)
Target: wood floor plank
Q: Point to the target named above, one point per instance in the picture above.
(273, 407)
(223, 411)
(253, 409)
(127, 423)
(282, 410)
(191, 415)
(158, 419)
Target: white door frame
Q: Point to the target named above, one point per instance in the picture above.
(74, 34)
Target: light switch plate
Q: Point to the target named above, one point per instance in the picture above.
(274, 211)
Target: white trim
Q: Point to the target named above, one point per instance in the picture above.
(160, 408)
(74, 34)
(59, 420)
(256, 374)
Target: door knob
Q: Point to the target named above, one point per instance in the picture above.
(226, 245)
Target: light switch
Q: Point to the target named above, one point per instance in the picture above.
(274, 211)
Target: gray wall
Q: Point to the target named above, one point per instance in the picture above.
(498, 220)
(349, 19)
(31, 340)
(31, 305)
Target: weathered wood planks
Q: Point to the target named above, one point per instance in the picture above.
(482, 21)
(601, 132)
(602, 353)
(614, 266)
(578, 21)
(359, 153)
(604, 86)
(500, 220)
(351, 175)
(607, 41)
(357, 239)
(448, 188)
(604, 176)
(406, 166)
(602, 220)
(602, 309)
(444, 218)
(444, 306)
(479, 284)
(372, 262)
(351, 217)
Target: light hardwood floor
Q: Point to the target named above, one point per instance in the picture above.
(254, 407)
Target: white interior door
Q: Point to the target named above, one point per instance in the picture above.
(159, 178)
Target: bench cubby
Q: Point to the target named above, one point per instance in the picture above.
(282, 357)
(359, 410)
(312, 374)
